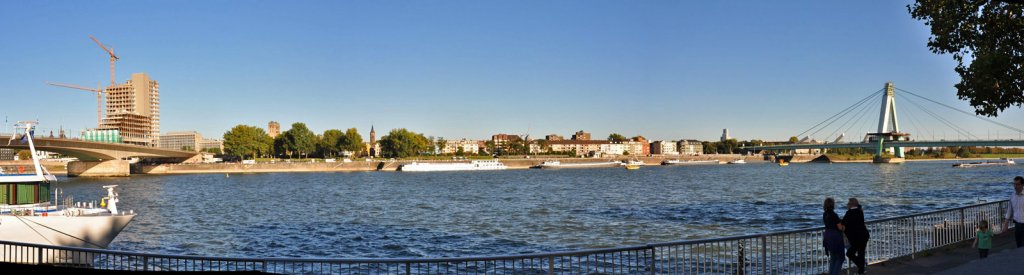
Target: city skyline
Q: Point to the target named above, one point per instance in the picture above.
(665, 70)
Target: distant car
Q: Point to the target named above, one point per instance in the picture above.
(249, 161)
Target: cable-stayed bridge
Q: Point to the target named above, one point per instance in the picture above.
(888, 140)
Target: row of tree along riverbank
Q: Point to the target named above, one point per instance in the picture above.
(389, 165)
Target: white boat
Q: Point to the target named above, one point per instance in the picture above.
(739, 161)
(31, 211)
(458, 166)
(554, 164)
(633, 162)
(1000, 162)
(690, 162)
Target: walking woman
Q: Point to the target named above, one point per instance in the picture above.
(833, 237)
(857, 233)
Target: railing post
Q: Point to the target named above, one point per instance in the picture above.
(39, 255)
(913, 237)
(551, 265)
(963, 224)
(764, 254)
(1001, 217)
(145, 263)
(654, 259)
(408, 269)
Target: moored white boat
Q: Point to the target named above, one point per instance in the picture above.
(554, 164)
(739, 161)
(33, 212)
(690, 162)
(475, 165)
(1000, 162)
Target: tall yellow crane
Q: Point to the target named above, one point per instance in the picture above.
(99, 98)
(113, 58)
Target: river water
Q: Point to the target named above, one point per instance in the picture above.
(395, 214)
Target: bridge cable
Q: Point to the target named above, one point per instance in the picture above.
(964, 112)
(839, 116)
(854, 118)
(917, 124)
(855, 123)
(840, 112)
(959, 130)
(920, 122)
(962, 130)
(837, 119)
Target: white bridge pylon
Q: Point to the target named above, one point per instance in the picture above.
(886, 118)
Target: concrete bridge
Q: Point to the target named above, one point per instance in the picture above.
(98, 158)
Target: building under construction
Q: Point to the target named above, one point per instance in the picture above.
(133, 108)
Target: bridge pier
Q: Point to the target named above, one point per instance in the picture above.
(103, 168)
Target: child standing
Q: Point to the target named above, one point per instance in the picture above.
(984, 239)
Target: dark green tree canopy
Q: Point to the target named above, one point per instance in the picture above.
(246, 141)
(986, 38)
(328, 145)
(351, 141)
(299, 140)
(400, 143)
(616, 137)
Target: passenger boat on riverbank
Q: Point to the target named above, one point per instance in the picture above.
(690, 162)
(554, 164)
(32, 211)
(1000, 162)
(475, 165)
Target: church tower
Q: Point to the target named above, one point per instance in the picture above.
(373, 142)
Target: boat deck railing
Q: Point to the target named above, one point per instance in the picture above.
(785, 252)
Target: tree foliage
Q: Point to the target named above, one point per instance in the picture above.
(989, 37)
(299, 140)
(400, 143)
(615, 137)
(246, 141)
(328, 146)
(351, 141)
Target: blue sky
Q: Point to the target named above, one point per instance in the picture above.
(663, 69)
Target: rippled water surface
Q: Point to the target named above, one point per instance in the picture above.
(394, 214)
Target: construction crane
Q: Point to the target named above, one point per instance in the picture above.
(113, 58)
(99, 98)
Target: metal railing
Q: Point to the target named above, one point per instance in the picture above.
(787, 252)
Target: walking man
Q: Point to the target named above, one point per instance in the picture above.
(857, 233)
(1015, 212)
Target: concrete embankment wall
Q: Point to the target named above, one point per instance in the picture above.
(512, 163)
(53, 167)
(199, 168)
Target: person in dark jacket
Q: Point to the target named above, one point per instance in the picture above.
(833, 237)
(857, 233)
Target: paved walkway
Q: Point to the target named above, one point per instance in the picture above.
(960, 259)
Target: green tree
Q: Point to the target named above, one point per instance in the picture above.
(281, 146)
(300, 140)
(489, 148)
(328, 145)
(615, 137)
(989, 34)
(351, 141)
(440, 143)
(215, 151)
(246, 141)
(24, 155)
(794, 139)
(400, 143)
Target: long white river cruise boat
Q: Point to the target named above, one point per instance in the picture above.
(32, 210)
(459, 166)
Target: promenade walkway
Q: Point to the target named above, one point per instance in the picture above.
(959, 258)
